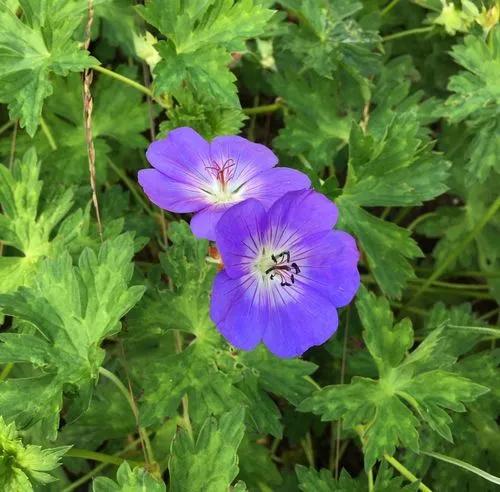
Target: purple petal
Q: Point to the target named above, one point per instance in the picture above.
(301, 212)
(237, 310)
(272, 184)
(182, 156)
(250, 158)
(299, 319)
(169, 194)
(328, 265)
(203, 223)
(239, 236)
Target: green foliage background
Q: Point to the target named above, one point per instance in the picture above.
(112, 376)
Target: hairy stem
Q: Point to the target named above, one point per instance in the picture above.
(409, 32)
(266, 108)
(125, 80)
(389, 7)
(101, 457)
(5, 371)
(405, 472)
(185, 402)
(130, 399)
(48, 134)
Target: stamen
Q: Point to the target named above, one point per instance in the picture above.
(286, 273)
(222, 174)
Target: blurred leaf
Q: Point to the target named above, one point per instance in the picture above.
(23, 466)
(128, 480)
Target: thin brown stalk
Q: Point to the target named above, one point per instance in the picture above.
(88, 75)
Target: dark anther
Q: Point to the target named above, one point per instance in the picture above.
(285, 272)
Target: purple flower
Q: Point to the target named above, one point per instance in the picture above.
(285, 273)
(192, 175)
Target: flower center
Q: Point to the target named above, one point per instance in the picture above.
(223, 174)
(283, 269)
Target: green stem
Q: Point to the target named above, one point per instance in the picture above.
(465, 466)
(371, 488)
(409, 32)
(125, 80)
(419, 219)
(130, 399)
(482, 330)
(48, 134)
(308, 449)
(465, 273)
(454, 285)
(6, 370)
(131, 186)
(101, 457)
(388, 8)
(185, 401)
(405, 472)
(88, 476)
(436, 285)
(120, 386)
(7, 125)
(489, 314)
(453, 256)
(420, 312)
(266, 108)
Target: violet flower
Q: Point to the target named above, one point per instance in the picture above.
(193, 175)
(285, 273)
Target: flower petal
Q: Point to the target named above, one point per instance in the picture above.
(237, 311)
(182, 156)
(299, 318)
(250, 158)
(328, 265)
(300, 213)
(272, 184)
(170, 194)
(239, 236)
(203, 223)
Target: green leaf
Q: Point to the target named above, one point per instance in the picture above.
(318, 123)
(73, 309)
(398, 169)
(476, 100)
(22, 466)
(257, 468)
(210, 463)
(201, 37)
(208, 119)
(112, 132)
(328, 38)
(313, 481)
(30, 51)
(28, 227)
(385, 410)
(129, 480)
(387, 344)
(452, 224)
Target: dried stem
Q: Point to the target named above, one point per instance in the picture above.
(87, 119)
